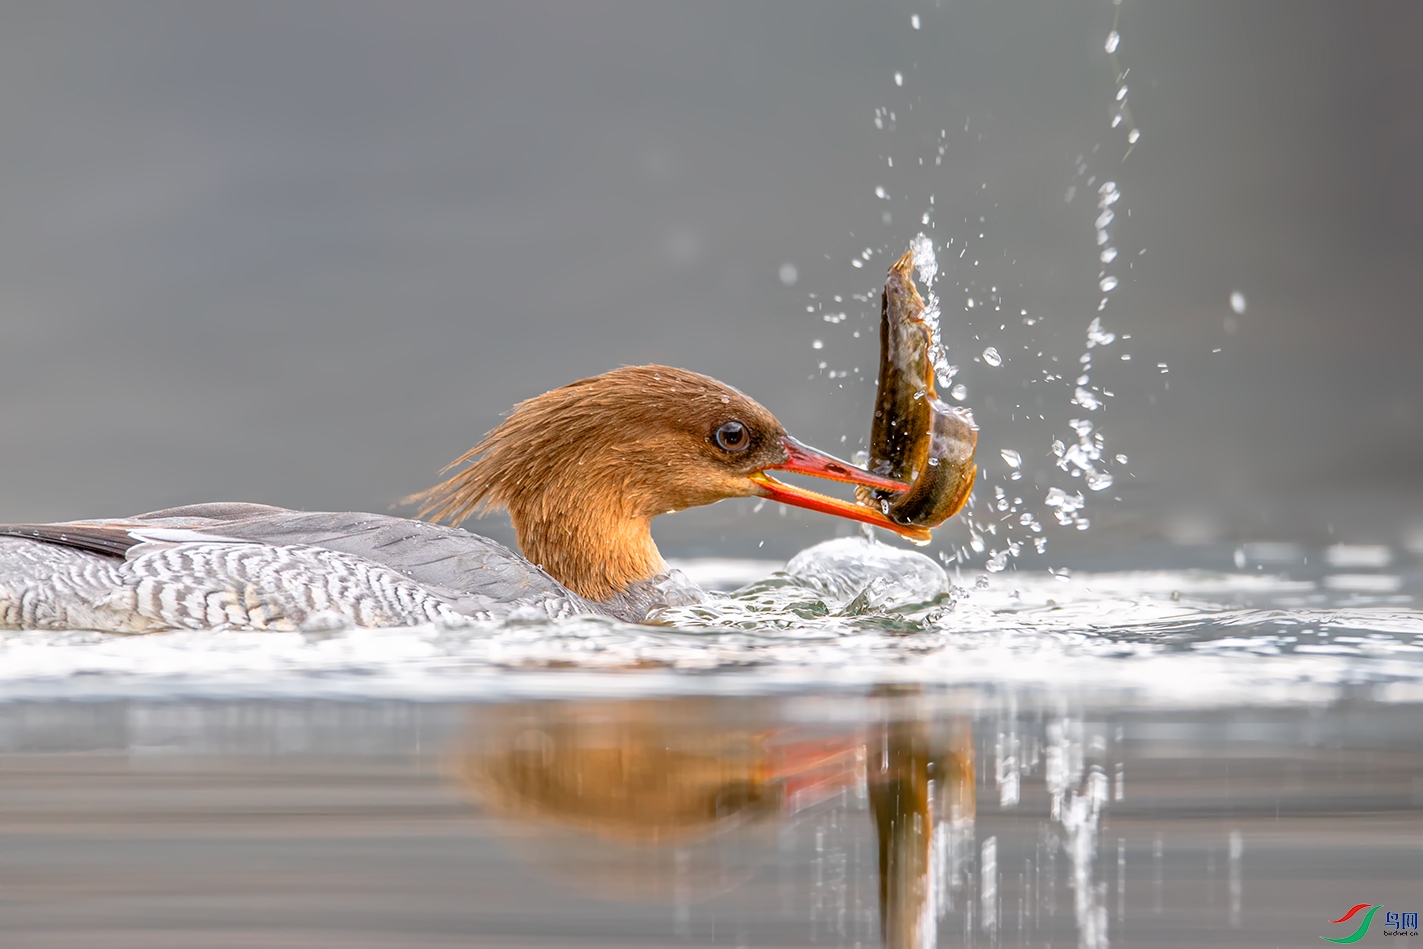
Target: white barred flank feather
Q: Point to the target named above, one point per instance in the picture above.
(244, 586)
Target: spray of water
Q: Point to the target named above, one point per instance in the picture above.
(1015, 507)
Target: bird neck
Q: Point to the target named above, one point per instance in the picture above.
(592, 549)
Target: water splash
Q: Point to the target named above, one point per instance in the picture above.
(1017, 523)
(1121, 116)
(1066, 505)
(926, 265)
(926, 268)
(1158, 638)
(1096, 336)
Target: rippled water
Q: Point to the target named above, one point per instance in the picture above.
(900, 816)
(853, 749)
(846, 612)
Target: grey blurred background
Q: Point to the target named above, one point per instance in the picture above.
(305, 254)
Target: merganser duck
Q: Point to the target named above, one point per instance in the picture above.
(582, 471)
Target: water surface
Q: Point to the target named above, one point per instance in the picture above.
(855, 750)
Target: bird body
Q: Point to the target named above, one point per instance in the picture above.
(250, 566)
(582, 470)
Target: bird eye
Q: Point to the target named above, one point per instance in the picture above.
(732, 436)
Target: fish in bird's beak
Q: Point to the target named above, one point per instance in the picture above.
(914, 436)
(803, 459)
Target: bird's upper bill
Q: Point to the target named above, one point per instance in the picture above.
(802, 459)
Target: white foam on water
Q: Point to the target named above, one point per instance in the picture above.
(845, 613)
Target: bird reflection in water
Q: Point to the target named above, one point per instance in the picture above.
(692, 793)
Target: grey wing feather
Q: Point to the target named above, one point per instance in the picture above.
(249, 566)
(483, 572)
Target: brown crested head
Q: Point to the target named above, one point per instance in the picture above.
(582, 469)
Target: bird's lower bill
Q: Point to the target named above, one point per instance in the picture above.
(806, 460)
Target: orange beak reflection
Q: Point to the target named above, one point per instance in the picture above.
(803, 459)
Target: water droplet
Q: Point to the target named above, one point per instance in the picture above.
(1058, 498)
(1134, 136)
(981, 583)
(1121, 93)
(817, 344)
(1099, 480)
(880, 192)
(1108, 283)
(857, 263)
(1113, 41)
(788, 274)
(1011, 457)
(997, 562)
(1237, 301)
(1121, 459)
(899, 79)
(990, 356)
(914, 20)
(959, 392)
(1087, 399)
(1103, 219)
(1109, 255)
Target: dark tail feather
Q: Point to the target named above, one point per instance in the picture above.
(109, 541)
